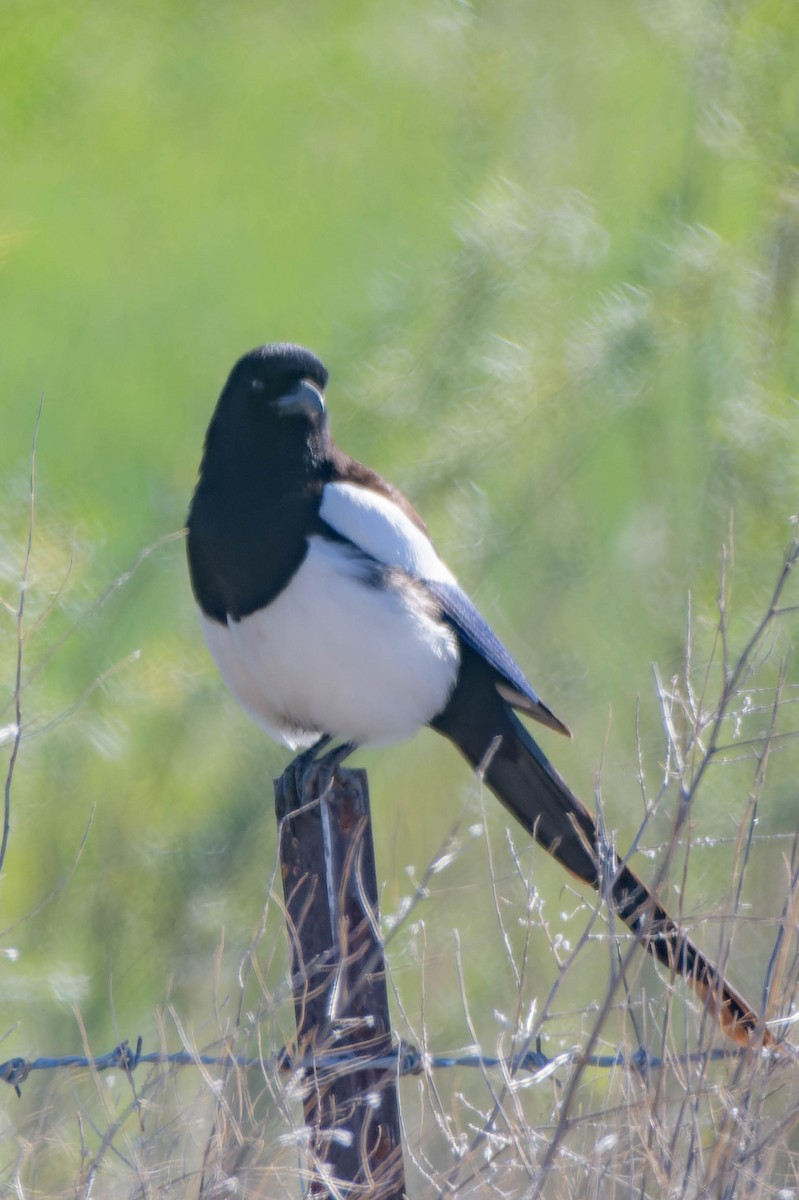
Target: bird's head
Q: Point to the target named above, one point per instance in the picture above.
(272, 408)
(279, 381)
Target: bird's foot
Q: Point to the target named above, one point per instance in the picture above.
(313, 773)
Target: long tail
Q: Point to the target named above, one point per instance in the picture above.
(526, 783)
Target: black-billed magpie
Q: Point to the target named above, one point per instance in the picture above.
(329, 614)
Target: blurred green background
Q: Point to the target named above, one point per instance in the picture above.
(549, 253)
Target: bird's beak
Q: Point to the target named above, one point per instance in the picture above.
(304, 400)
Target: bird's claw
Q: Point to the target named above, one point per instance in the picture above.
(313, 773)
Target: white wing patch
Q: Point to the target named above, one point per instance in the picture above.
(376, 524)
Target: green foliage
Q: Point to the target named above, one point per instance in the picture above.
(550, 255)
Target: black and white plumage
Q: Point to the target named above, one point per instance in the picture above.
(329, 613)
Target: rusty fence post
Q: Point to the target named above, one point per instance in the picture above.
(338, 977)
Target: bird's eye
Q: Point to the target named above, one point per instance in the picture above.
(257, 385)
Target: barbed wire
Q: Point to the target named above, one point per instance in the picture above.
(405, 1059)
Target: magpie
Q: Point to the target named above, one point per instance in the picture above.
(329, 614)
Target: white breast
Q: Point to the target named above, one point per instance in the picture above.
(336, 652)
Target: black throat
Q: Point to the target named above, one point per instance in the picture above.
(256, 502)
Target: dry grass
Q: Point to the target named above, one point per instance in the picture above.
(668, 1111)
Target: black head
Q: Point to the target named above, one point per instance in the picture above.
(272, 404)
(273, 378)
